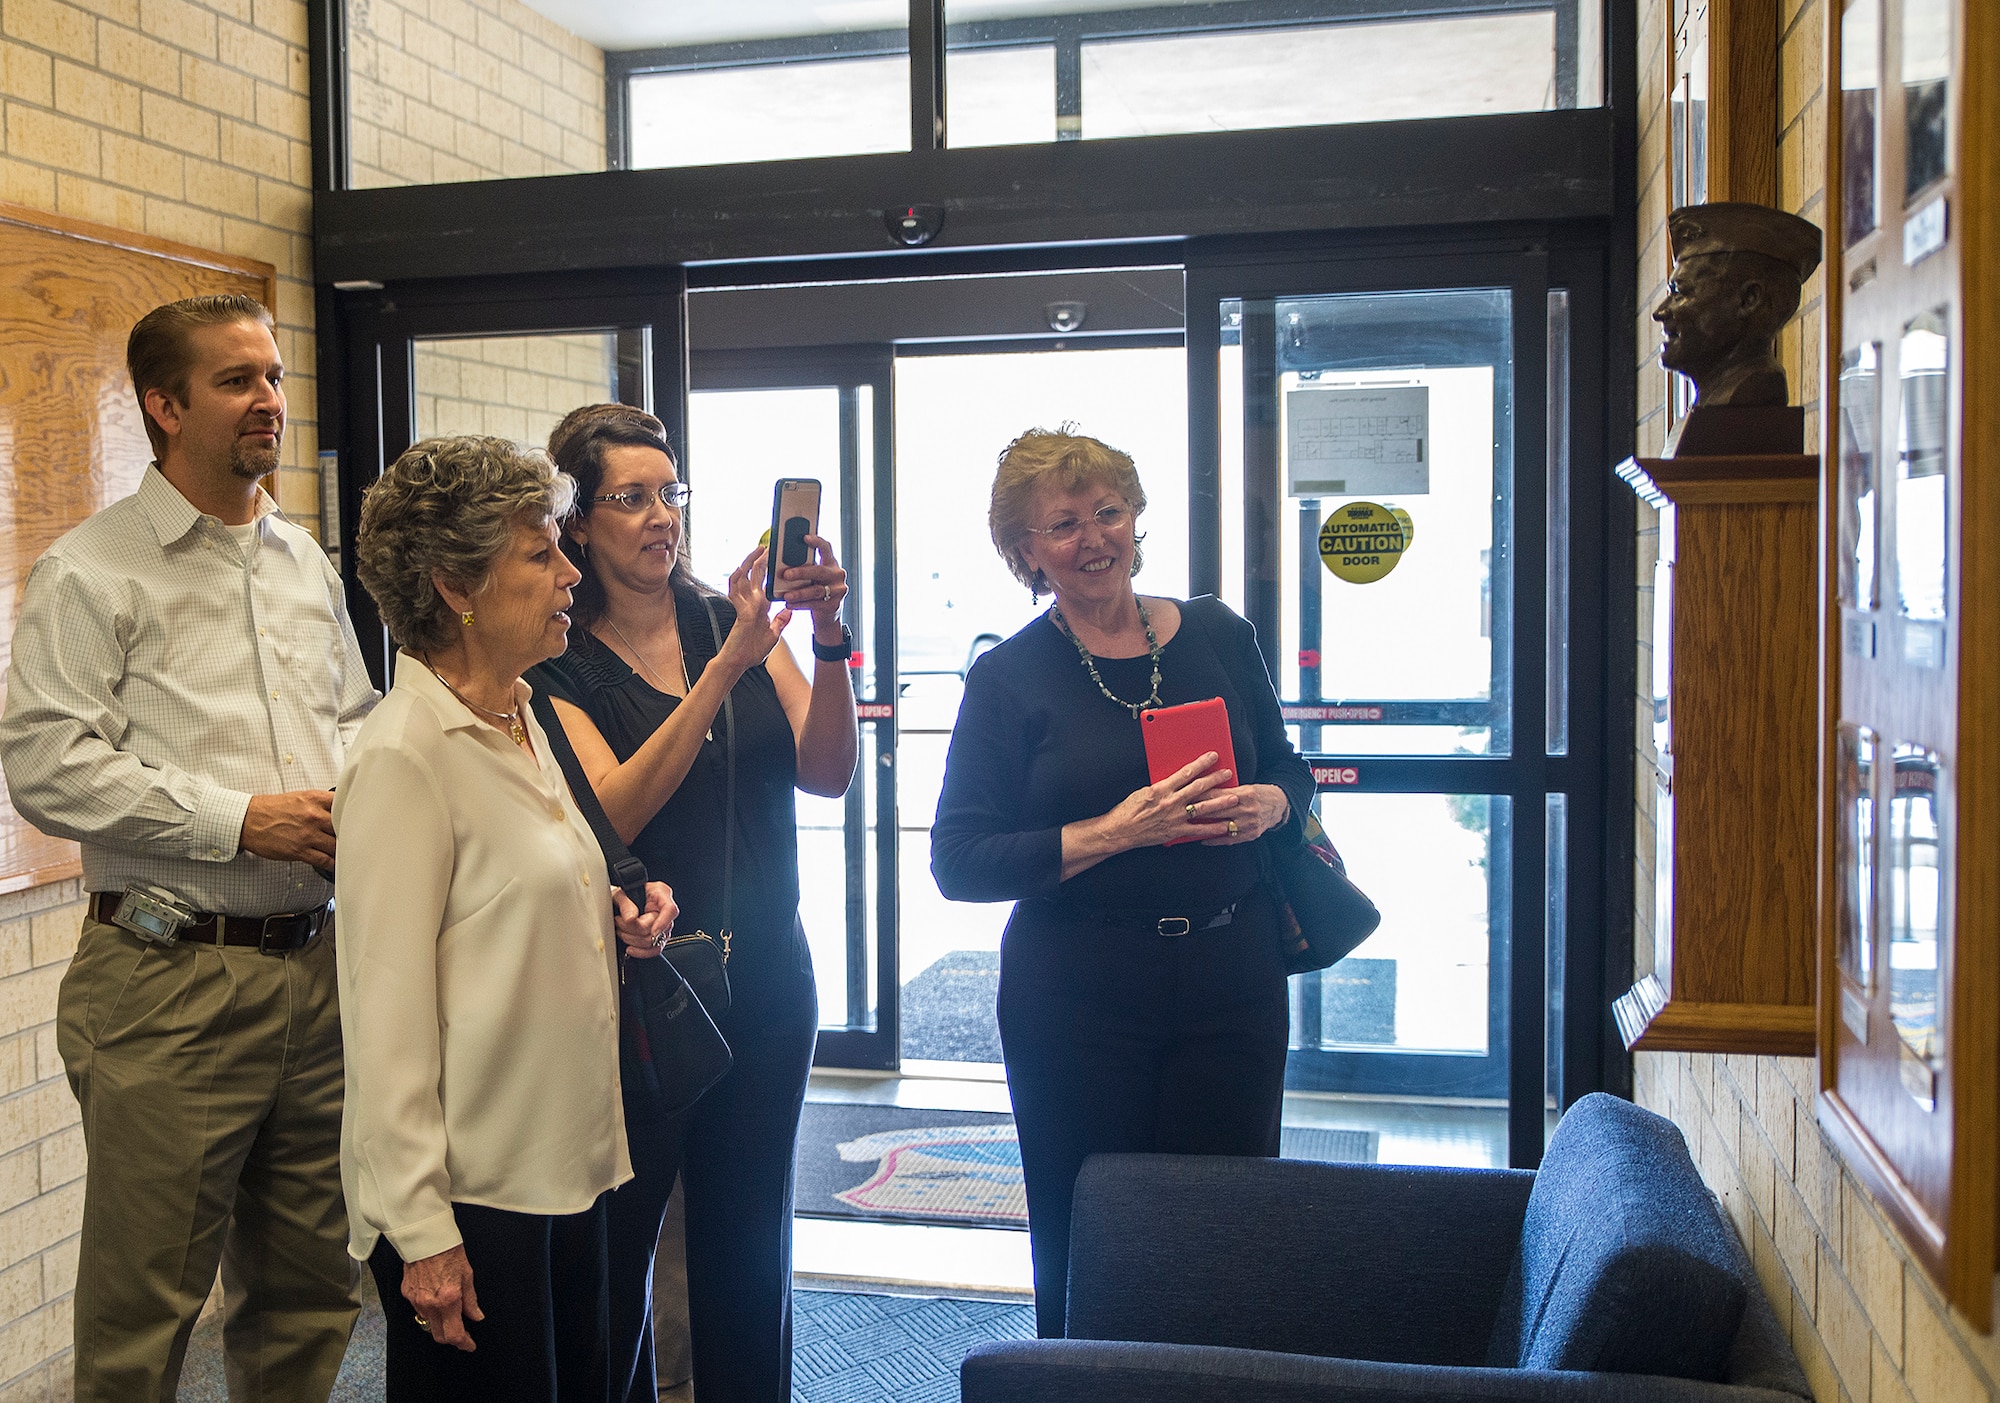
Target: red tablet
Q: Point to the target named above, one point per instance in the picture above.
(1177, 736)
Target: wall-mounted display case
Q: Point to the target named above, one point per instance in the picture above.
(1909, 1002)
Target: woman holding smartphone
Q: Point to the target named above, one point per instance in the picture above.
(1142, 994)
(640, 693)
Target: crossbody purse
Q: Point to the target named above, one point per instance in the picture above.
(673, 1044)
(1322, 915)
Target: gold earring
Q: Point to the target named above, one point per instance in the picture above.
(466, 618)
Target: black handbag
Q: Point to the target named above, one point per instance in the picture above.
(703, 959)
(1322, 915)
(666, 1034)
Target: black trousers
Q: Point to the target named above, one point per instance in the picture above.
(1124, 1040)
(541, 1283)
(736, 1149)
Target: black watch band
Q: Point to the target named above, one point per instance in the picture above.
(838, 652)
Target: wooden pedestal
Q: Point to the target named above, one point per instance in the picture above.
(1734, 942)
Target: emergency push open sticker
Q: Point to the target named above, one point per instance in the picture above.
(1363, 541)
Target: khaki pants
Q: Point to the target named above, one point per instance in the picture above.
(210, 1081)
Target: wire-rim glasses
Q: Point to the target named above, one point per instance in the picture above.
(672, 494)
(1061, 533)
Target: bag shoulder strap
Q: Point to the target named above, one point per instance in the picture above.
(729, 782)
(627, 872)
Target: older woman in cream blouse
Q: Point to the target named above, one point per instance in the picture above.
(478, 964)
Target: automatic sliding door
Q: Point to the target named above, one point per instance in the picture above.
(955, 413)
(1379, 423)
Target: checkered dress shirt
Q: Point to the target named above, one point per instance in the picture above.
(162, 674)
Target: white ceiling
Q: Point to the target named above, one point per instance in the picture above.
(651, 24)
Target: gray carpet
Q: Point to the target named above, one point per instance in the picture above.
(360, 1378)
(947, 1010)
(849, 1348)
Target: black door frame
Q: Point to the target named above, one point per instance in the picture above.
(1545, 1067)
(369, 345)
(366, 366)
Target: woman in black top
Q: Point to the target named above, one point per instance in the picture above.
(1142, 997)
(640, 694)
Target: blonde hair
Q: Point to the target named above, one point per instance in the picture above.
(1066, 462)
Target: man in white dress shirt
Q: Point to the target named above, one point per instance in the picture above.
(184, 685)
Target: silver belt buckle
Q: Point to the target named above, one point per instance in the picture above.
(264, 946)
(1173, 925)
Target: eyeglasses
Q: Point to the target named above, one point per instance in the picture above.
(1061, 533)
(633, 499)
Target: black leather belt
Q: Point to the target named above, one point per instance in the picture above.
(280, 934)
(1160, 925)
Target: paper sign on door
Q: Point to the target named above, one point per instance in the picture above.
(1358, 442)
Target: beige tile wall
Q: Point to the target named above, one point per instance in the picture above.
(1864, 1318)
(181, 118)
(185, 119)
(41, 1146)
(516, 387)
(188, 119)
(447, 90)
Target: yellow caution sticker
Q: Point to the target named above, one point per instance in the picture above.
(1363, 541)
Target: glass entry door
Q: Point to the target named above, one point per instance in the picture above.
(1385, 482)
(752, 419)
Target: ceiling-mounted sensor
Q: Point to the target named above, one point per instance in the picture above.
(913, 226)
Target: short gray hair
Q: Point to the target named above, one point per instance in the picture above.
(446, 510)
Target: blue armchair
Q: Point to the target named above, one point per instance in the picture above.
(1609, 1276)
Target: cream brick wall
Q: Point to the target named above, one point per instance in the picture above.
(181, 118)
(1865, 1319)
(41, 1146)
(185, 119)
(188, 119)
(516, 387)
(448, 90)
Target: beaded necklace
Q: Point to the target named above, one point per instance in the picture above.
(1090, 665)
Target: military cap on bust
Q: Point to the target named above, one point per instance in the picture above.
(1745, 228)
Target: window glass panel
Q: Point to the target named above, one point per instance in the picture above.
(1920, 467)
(1860, 435)
(1000, 97)
(1115, 69)
(1860, 117)
(770, 112)
(955, 598)
(516, 387)
(1308, 77)
(1401, 402)
(1421, 982)
(735, 437)
(472, 94)
(1926, 81)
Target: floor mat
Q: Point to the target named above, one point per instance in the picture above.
(891, 1163)
(852, 1348)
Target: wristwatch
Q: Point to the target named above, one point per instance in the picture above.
(836, 652)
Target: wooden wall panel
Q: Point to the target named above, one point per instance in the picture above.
(71, 436)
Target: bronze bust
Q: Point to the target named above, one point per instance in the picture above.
(1737, 273)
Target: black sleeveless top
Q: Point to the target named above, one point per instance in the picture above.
(683, 845)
